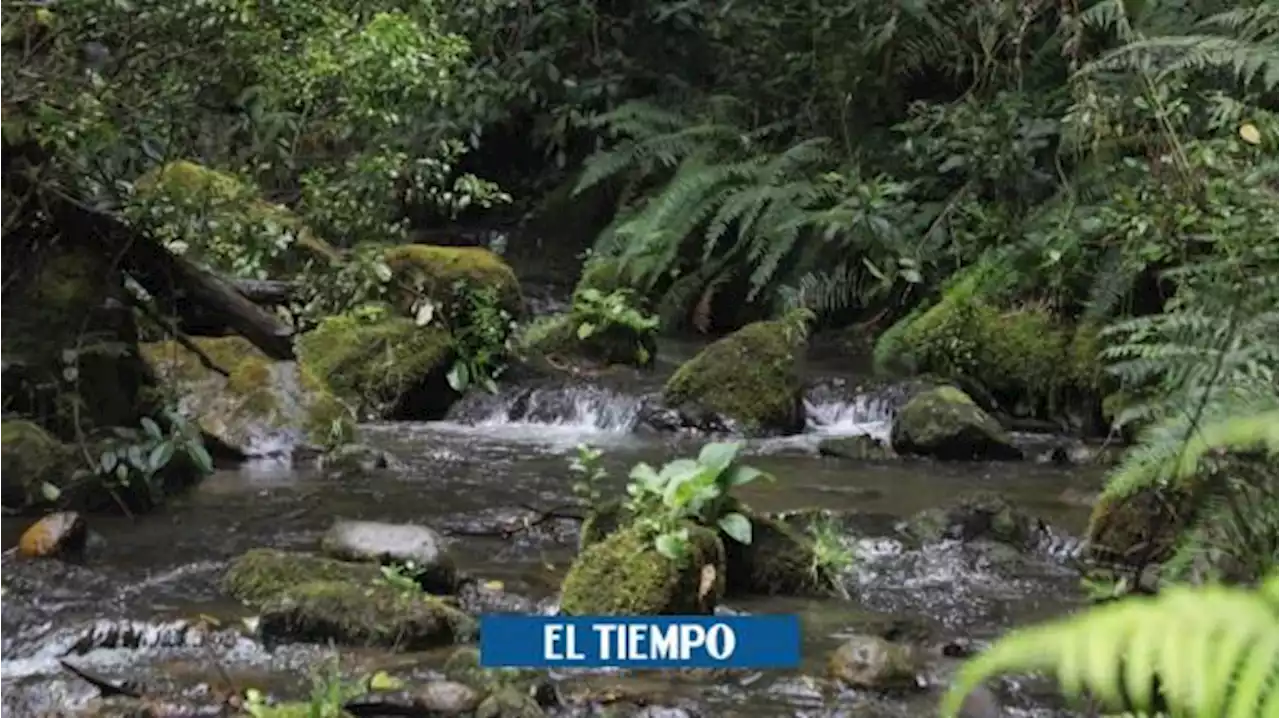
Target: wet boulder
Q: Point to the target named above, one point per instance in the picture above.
(353, 614)
(33, 460)
(418, 548)
(873, 663)
(478, 597)
(438, 272)
(945, 423)
(250, 402)
(860, 447)
(779, 561)
(356, 459)
(749, 378)
(58, 535)
(385, 367)
(1139, 528)
(625, 575)
(978, 516)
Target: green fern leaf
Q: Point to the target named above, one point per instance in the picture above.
(1213, 651)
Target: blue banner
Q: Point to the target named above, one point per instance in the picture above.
(522, 641)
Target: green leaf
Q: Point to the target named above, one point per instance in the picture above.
(718, 456)
(586, 329)
(49, 491)
(736, 526)
(672, 545)
(201, 456)
(160, 456)
(382, 681)
(151, 428)
(739, 475)
(459, 376)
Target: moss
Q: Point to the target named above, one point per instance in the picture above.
(31, 456)
(261, 574)
(369, 614)
(257, 393)
(230, 201)
(946, 424)
(556, 335)
(779, 561)
(390, 368)
(1025, 358)
(748, 377)
(625, 575)
(437, 269)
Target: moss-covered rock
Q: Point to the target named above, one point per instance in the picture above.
(261, 574)
(873, 663)
(354, 614)
(625, 575)
(223, 199)
(980, 515)
(1140, 528)
(749, 377)
(561, 336)
(258, 400)
(435, 271)
(385, 368)
(1025, 359)
(946, 424)
(314, 599)
(31, 458)
(779, 561)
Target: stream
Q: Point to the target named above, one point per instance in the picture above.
(127, 611)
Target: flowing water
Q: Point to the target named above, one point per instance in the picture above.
(127, 611)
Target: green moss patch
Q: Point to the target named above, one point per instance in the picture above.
(389, 368)
(228, 202)
(625, 575)
(558, 335)
(749, 377)
(370, 614)
(436, 270)
(1025, 359)
(261, 574)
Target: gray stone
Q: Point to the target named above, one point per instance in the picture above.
(403, 544)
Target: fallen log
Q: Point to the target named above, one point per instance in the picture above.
(163, 274)
(266, 292)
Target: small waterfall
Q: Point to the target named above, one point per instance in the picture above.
(583, 408)
(834, 409)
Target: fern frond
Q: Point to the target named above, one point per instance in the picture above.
(1212, 651)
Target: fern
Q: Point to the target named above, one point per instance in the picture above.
(1212, 651)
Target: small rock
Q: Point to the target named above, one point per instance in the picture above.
(438, 698)
(871, 662)
(355, 458)
(58, 535)
(395, 543)
(981, 703)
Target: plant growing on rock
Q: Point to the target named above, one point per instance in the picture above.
(480, 342)
(596, 314)
(690, 490)
(830, 556)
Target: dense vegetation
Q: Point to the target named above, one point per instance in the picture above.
(1068, 208)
